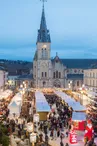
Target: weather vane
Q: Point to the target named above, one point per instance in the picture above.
(43, 1)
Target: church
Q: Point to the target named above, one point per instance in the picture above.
(47, 72)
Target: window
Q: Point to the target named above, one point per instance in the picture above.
(59, 74)
(93, 75)
(90, 75)
(45, 74)
(90, 82)
(93, 83)
(77, 83)
(42, 74)
(42, 53)
(46, 54)
(56, 74)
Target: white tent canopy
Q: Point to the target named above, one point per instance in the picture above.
(41, 103)
(15, 104)
(71, 102)
(79, 116)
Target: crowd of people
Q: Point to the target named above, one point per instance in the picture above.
(57, 125)
(4, 111)
(58, 118)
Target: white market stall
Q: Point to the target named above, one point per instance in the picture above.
(42, 106)
(15, 104)
(78, 115)
(76, 106)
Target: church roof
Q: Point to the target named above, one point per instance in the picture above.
(43, 32)
(79, 63)
(56, 59)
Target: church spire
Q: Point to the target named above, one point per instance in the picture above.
(43, 20)
(43, 32)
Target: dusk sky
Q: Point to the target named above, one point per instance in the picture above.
(72, 25)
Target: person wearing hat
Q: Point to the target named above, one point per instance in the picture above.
(89, 130)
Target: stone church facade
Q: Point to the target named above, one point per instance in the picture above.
(47, 72)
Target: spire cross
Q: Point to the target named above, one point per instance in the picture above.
(43, 2)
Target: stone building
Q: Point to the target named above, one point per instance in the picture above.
(90, 79)
(46, 72)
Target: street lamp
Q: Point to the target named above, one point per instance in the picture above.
(69, 84)
(21, 86)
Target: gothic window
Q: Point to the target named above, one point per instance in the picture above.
(59, 74)
(45, 53)
(56, 74)
(42, 74)
(45, 74)
(42, 53)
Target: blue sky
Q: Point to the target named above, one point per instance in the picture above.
(72, 25)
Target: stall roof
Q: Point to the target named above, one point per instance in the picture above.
(42, 107)
(41, 103)
(79, 116)
(71, 102)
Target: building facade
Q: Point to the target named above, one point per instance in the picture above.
(3, 77)
(90, 79)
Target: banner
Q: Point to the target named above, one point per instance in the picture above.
(73, 137)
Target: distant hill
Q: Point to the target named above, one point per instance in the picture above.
(16, 67)
(19, 67)
(5, 61)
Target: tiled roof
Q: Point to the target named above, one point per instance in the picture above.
(79, 63)
(74, 76)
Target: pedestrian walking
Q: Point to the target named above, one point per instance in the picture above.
(52, 134)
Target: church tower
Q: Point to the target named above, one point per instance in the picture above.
(42, 63)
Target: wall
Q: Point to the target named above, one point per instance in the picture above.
(90, 79)
(2, 78)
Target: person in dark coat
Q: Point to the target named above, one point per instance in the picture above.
(58, 132)
(61, 143)
(52, 133)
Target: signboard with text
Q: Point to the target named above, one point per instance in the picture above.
(73, 137)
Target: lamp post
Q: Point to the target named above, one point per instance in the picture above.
(70, 84)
